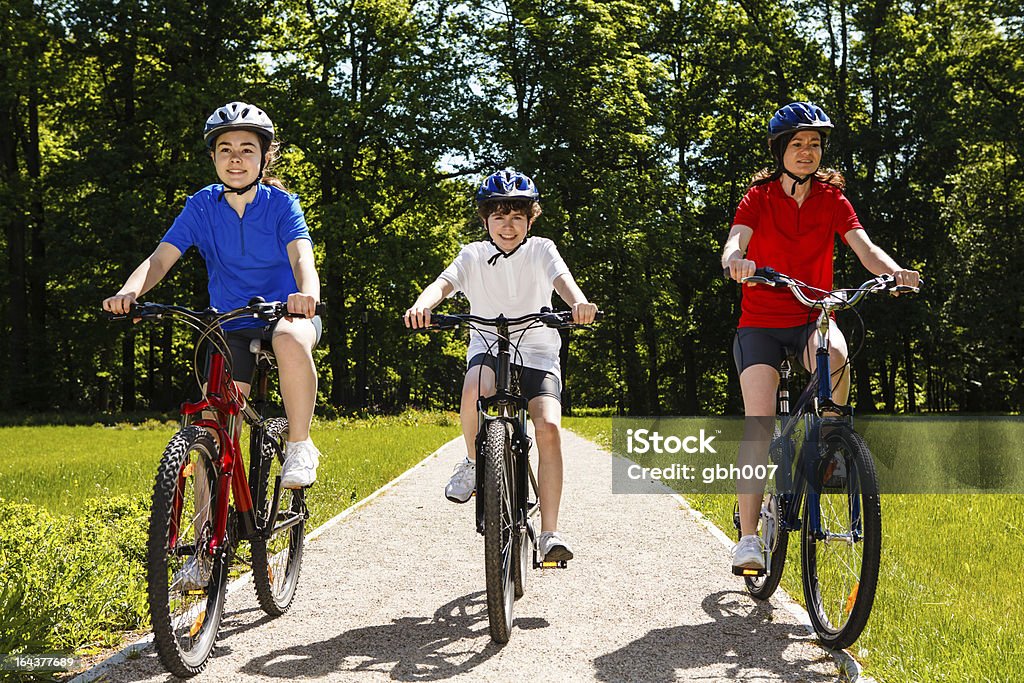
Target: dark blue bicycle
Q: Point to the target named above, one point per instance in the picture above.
(506, 491)
(828, 489)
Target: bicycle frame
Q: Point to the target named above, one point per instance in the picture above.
(512, 409)
(815, 398)
(232, 411)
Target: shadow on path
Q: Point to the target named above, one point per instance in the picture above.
(742, 641)
(408, 649)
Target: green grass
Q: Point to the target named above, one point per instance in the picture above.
(74, 509)
(947, 608)
(58, 468)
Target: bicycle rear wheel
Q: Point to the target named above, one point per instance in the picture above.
(777, 541)
(840, 565)
(276, 559)
(499, 528)
(186, 585)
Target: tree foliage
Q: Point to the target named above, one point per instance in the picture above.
(642, 123)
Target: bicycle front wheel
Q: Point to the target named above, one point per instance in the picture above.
(841, 557)
(186, 585)
(499, 528)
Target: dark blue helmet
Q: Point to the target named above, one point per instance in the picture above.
(799, 116)
(508, 184)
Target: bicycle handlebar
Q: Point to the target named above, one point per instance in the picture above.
(835, 300)
(553, 319)
(268, 311)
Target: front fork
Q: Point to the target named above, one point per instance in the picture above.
(520, 443)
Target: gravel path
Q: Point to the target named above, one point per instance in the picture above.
(396, 592)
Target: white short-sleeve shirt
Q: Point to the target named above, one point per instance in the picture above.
(513, 286)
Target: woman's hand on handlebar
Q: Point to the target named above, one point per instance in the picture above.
(119, 304)
(417, 317)
(905, 277)
(740, 268)
(584, 313)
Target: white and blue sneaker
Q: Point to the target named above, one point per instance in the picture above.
(748, 554)
(194, 575)
(553, 547)
(301, 458)
(463, 482)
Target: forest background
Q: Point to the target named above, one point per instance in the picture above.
(642, 123)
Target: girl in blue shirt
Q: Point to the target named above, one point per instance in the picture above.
(255, 242)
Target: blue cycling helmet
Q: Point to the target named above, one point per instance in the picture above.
(799, 116)
(238, 116)
(508, 184)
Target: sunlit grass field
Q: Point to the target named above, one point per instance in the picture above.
(74, 507)
(59, 467)
(948, 607)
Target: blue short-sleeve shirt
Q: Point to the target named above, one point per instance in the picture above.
(245, 257)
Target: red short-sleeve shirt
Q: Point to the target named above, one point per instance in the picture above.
(797, 241)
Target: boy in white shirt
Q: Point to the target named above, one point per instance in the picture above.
(512, 274)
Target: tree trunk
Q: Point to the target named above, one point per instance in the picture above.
(862, 382)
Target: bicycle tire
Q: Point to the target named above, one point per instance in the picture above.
(763, 587)
(277, 559)
(499, 521)
(185, 622)
(840, 576)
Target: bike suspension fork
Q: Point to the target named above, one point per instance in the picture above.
(784, 371)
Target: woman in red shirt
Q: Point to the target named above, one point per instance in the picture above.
(789, 220)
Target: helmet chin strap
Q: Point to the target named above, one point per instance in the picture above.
(493, 260)
(243, 190)
(797, 180)
(503, 254)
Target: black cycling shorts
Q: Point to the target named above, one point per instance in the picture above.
(532, 382)
(764, 345)
(243, 361)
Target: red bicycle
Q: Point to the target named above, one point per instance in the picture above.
(193, 527)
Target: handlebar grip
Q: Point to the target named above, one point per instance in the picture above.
(282, 310)
(767, 273)
(440, 321)
(136, 310)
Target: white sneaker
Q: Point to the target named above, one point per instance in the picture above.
(463, 482)
(553, 547)
(301, 459)
(748, 553)
(193, 576)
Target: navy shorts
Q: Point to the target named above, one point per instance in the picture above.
(532, 382)
(243, 361)
(764, 345)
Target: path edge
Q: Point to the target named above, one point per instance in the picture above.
(94, 672)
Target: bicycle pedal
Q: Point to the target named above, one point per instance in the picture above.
(559, 564)
(748, 572)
